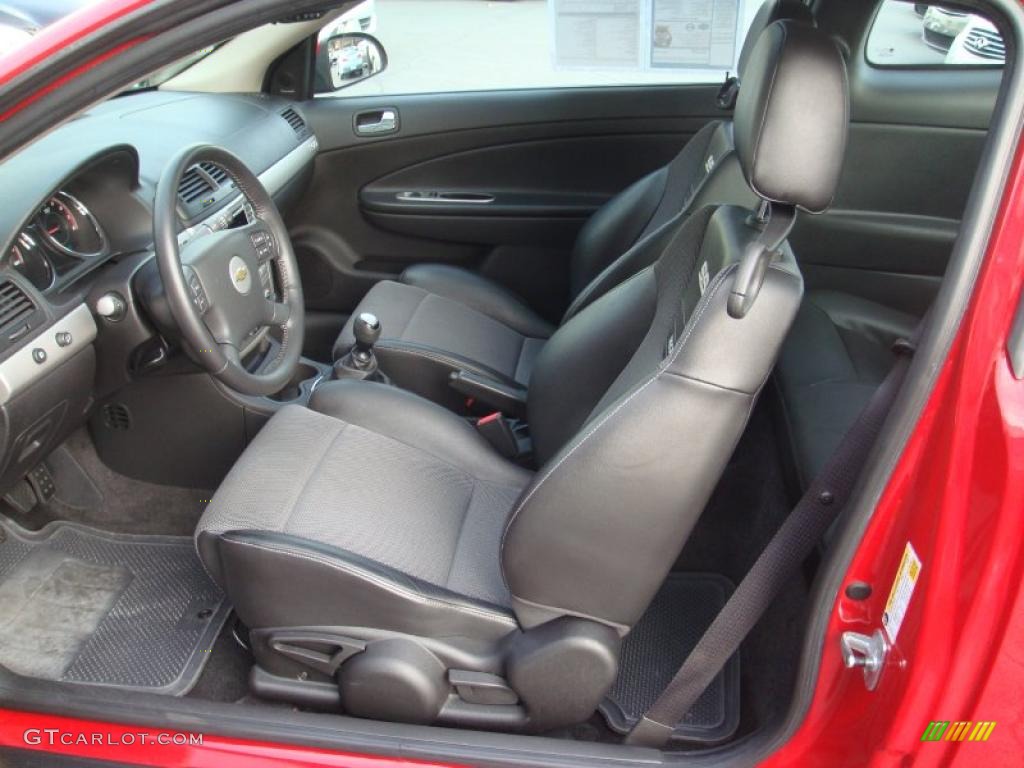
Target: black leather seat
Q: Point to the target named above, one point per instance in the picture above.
(439, 319)
(840, 349)
(388, 561)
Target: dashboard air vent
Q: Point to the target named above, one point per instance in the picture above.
(15, 305)
(215, 172)
(294, 119)
(193, 185)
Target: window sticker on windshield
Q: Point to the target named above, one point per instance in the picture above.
(606, 33)
(902, 590)
(645, 34)
(694, 34)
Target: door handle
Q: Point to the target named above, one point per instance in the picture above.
(460, 198)
(376, 122)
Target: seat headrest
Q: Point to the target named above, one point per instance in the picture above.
(792, 116)
(770, 12)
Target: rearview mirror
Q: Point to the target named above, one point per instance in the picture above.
(343, 60)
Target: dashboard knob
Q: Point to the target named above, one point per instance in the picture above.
(112, 307)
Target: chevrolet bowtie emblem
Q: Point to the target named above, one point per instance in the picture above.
(240, 276)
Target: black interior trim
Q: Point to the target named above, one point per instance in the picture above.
(445, 113)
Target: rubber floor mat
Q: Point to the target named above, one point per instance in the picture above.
(84, 606)
(659, 644)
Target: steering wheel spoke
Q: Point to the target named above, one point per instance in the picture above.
(231, 354)
(276, 312)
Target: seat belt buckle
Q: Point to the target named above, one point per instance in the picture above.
(501, 434)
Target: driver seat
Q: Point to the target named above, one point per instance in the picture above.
(388, 561)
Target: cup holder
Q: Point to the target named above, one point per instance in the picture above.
(292, 391)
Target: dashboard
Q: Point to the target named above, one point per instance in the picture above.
(76, 225)
(102, 170)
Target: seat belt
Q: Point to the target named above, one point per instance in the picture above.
(789, 547)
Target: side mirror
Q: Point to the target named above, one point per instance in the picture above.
(346, 59)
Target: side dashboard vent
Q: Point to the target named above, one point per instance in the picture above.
(193, 185)
(15, 305)
(294, 119)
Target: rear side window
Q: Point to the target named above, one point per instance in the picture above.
(917, 34)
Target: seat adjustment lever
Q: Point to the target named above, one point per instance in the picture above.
(482, 688)
(321, 652)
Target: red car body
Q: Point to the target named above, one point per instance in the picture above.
(956, 493)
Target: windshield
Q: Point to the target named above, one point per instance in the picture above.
(161, 76)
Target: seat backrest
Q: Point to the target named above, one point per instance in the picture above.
(629, 231)
(637, 403)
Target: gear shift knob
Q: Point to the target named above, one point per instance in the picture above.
(367, 331)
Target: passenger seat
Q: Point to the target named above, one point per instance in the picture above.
(438, 320)
(838, 351)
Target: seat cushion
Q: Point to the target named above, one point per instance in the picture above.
(837, 354)
(416, 511)
(426, 336)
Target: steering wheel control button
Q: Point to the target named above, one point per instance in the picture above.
(196, 289)
(112, 307)
(63, 339)
(240, 275)
(39, 355)
(263, 242)
(266, 280)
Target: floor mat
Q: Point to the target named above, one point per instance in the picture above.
(84, 606)
(657, 646)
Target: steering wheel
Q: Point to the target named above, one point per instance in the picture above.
(214, 285)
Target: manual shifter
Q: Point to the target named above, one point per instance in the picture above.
(367, 331)
(360, 362)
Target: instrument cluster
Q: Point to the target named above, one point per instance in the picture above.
(62, 235)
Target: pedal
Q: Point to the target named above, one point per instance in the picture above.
(22, 497)
(42, 482)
